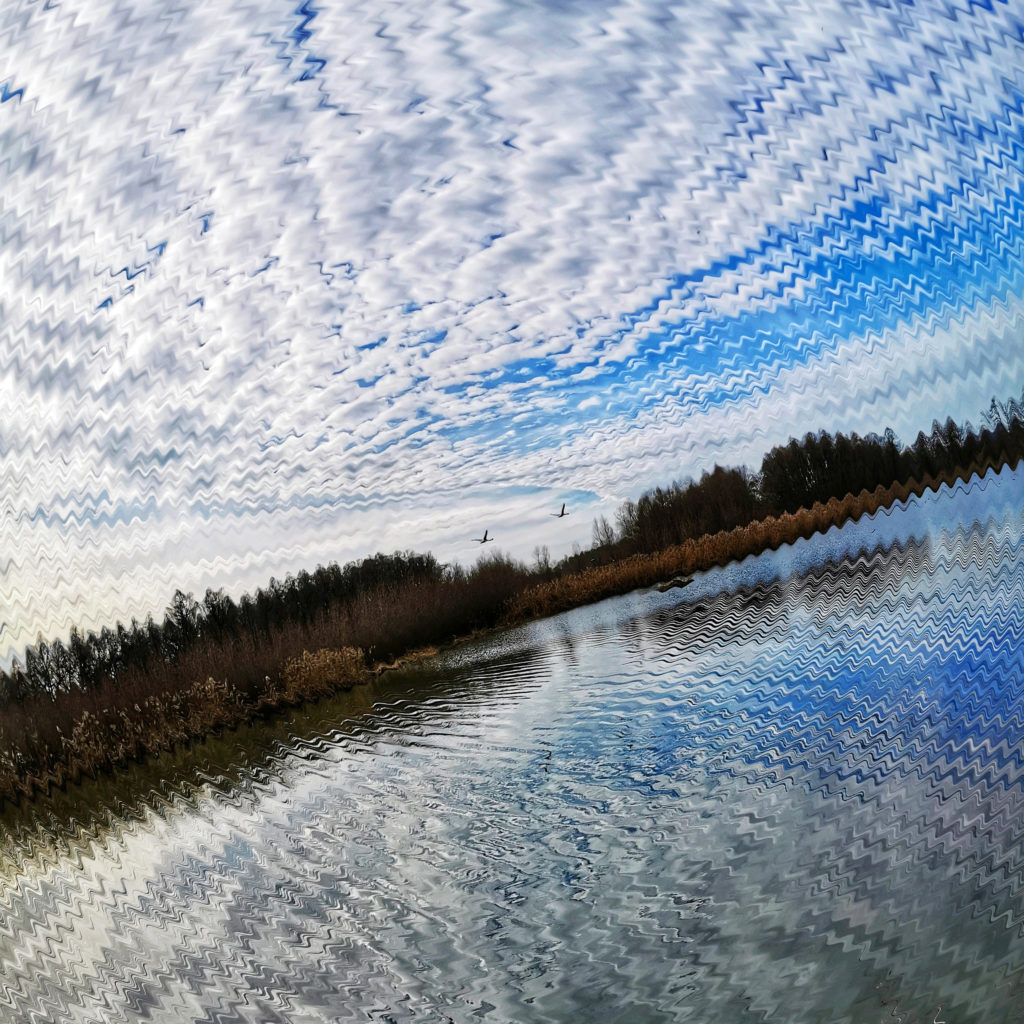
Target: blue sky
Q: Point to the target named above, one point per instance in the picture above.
(290, 283)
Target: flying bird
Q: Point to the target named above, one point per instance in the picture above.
(484, 539)
(558, 515)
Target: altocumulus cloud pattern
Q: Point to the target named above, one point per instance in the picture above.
(287, 283)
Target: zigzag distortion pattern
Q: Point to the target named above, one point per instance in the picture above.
(285, 284)
(799, 800)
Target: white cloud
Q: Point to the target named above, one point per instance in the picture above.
(322, 292)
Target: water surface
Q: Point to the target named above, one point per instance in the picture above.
(791, 792)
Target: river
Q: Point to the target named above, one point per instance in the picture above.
(789, 792)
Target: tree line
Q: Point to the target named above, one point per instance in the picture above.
(299, 604)
(814, 468)
(387, 604)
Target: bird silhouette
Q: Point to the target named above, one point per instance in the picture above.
(484, 539)
(558, 515)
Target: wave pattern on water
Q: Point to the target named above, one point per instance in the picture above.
(798, 800)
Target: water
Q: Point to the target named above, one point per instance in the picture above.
(791, 792)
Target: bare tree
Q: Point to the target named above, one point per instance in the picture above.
(604, 533)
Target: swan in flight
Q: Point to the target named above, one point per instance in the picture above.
(558, 515)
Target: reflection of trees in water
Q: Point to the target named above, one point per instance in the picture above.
(866, 583)
(854, 722)
(696, 626)
(764, 610)
(422, 696)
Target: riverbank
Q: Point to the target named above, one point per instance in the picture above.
(66, 736)
(701, 554)
(840, 673)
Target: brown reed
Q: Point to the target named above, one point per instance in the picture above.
(50, 739)
(699, 554)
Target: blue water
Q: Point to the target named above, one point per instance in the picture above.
(790, 792)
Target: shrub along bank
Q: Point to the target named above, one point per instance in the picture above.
(107, 698)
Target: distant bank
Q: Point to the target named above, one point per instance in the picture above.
(97, 701)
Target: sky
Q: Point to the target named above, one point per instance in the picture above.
(282, 283)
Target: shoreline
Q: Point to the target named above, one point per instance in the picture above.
(107, 737)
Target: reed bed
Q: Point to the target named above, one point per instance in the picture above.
(49, 739)
(699, 554)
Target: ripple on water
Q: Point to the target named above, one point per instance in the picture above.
(797, 800)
